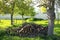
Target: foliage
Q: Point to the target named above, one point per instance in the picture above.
(24, 7)
(6, 6)
(1, 5)
(58, 3)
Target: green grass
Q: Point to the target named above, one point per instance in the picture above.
(6, 23)
(21, 38)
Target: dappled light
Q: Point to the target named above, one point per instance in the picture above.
(29, 20)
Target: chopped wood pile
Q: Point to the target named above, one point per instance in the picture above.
(28, 29)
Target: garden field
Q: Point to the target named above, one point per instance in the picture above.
(6, 23)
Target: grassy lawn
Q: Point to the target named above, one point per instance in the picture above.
(6, 23)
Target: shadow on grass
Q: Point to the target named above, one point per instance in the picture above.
(29, 38)
(4, 36)
(2, 33)
(57, 25)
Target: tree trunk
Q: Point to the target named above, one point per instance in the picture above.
(51, 18)
(13, 5)
(22, 18)
(12, 19)
(50, 27)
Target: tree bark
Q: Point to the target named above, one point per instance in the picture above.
(22, 18)
(12, 19)
(50, 27)
(51, 18)
(13, 5)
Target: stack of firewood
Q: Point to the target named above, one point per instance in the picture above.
(29, 29)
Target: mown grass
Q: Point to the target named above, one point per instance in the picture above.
(6, 23)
